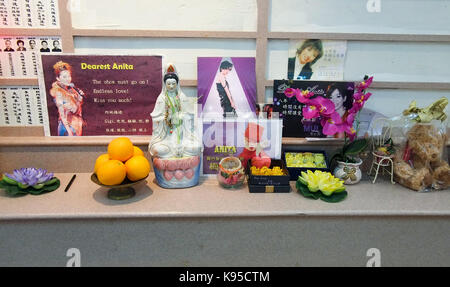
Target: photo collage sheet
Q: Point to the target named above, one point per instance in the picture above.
(19, 56)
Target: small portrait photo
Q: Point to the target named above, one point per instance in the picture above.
(8, 47)
(56, 46)
(44, 47)
(21, 45)
(341, 94)
(68, 100)
(315, 59)
(226, 87)
(32, 44)
(267, 111)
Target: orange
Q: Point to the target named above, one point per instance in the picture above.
(138, 168)
(120, 149)
(137, 151)
(100, 161)
(111, 172)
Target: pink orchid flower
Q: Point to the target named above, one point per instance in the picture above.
(332, 125)
(362, 98)
(310, 111)
(326, 107)
(347, 126)
(365, 84)
(303, 97)
(356, 107)
(318, 106)
(290, 92)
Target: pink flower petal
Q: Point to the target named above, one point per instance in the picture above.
(189, 173)
(289, 92)
(194, 162)
(326, 106)
(168, 175)
(310, 112)
(179, 174)
(171, 164)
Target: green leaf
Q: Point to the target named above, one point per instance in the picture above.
(22, 186)
(8, 180)
(335, 197)
(303, 189)
(51, 181)
(14, 190)
(302, 180)
(46, 188)
(355, 147)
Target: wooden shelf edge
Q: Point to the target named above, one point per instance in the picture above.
(4, 32)
(137, 140)
(19, 82)
(360, 36)
(398, 85)
(269, 84)
(67, 141)
(162, 33)
(104, 140)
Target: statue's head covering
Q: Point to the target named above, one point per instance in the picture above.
(170, 73)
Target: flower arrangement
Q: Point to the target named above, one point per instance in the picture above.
(332, 123)
(29, 180)
(321, 185)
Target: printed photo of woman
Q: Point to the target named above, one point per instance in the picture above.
(223, 88)
(68, 100)
(226, 87)
(342, 97)
(21, 45)
(300, 66)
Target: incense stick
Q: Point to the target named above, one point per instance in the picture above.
(70, 183)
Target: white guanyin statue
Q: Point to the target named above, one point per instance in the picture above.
(174, 148)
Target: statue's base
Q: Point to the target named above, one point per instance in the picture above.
(177, 178)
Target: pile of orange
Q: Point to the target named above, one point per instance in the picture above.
(122, 160)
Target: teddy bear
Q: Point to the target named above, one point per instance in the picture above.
(421, 165)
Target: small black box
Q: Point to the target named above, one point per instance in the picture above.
(271, 180)
(269, 188)
(295, 172)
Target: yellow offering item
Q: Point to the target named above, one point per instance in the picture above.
(276, 170)
(137, 151)
(121, 149)
(323, 181)
(112, 172)
(100, 161)
(138, 168)
(305, 159)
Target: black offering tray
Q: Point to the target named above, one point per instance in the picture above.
(270, 183)
(295, 172)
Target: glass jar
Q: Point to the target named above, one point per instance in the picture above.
(231, 173)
